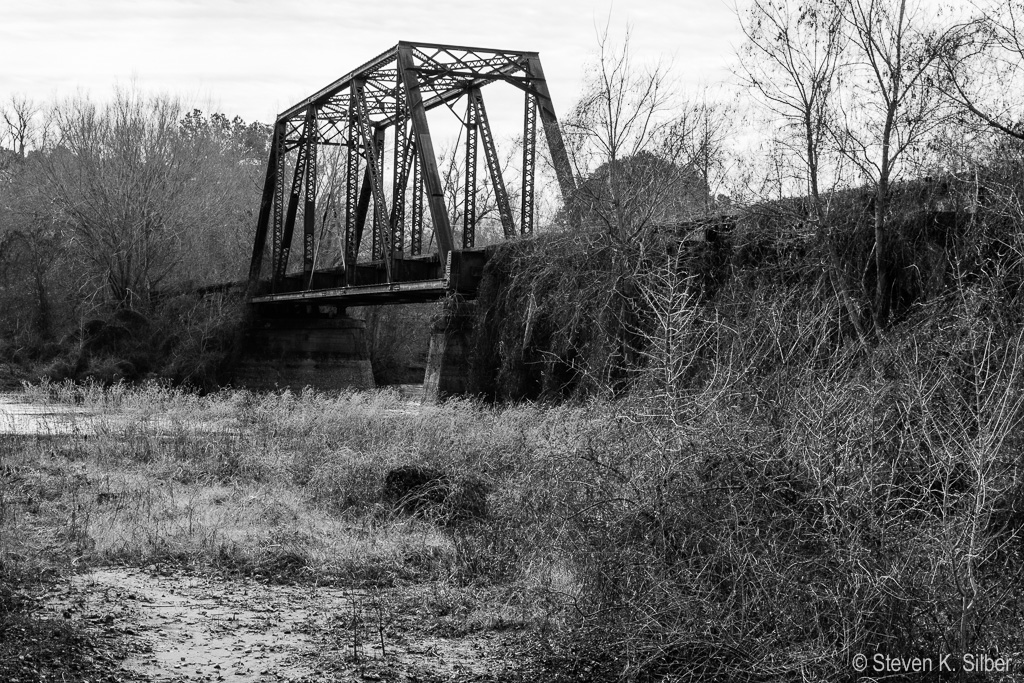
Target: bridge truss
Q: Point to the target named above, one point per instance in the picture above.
(387, 100)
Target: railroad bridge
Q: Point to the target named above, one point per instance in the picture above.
(354, 184)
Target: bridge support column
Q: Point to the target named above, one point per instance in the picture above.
(447, 371)
(328, 354)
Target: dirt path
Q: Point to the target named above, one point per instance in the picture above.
(180, 627)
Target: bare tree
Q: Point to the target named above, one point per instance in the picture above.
(21, 116)
(699, 138)
(792, 58)
(985, 71)
(31, 250)
(891, 104)
(124, 190)
(625, 110)
(224, 184)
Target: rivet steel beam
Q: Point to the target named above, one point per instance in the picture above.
(372, 142)
(351, 192)
(309, 210)
(400, 171)
(416, 229)
(278, 240)
(363, 207)
(298, 181)
(556, 144)
(266, 206)
(403, 170)
(469, 204)
(493, 163)
(381, 219)
(529, 164)
(425, 152)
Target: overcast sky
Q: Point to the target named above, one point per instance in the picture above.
(254, 58)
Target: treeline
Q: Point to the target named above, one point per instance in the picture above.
(105, 205)
(830, 96)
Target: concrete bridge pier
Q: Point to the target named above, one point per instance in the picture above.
(327, 353)
(447, 371)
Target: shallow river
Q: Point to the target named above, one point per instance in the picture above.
(20, 416)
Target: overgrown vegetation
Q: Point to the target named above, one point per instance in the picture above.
(767, 492)
(743, 487)
(768, 502)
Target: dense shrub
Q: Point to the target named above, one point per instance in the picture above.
(772, 494)
(184, 339)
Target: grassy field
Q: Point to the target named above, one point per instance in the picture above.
(766, 530)
(288, 488)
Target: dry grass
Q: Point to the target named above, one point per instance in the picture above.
(762, 506)
(286, 488)
(279, 485)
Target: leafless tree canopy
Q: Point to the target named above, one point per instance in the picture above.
(642, 154)
(984, 73)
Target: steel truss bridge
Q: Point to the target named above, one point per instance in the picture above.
(387, 100)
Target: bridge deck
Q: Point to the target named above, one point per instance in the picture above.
(412, 280)
(388, 293)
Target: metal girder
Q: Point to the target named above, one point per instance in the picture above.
(341, 84)
(278, 240)
(304, 178)
(476, 99)
(309, 210)
(416, 229)
(556, 145)
(363, 208)
(469, 206)
(351, 191)
(405, 152)
(529, 164)
(376, 247)
(403, 144)
(266, 206)
(372, 141)
(381, 220)
(425, 152)
(486, 62)
(391, 95)
(284, 249)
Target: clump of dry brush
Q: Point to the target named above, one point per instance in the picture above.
(872, 508)
(764, 492)
(767, 503)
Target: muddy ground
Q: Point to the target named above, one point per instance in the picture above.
(170, 625)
